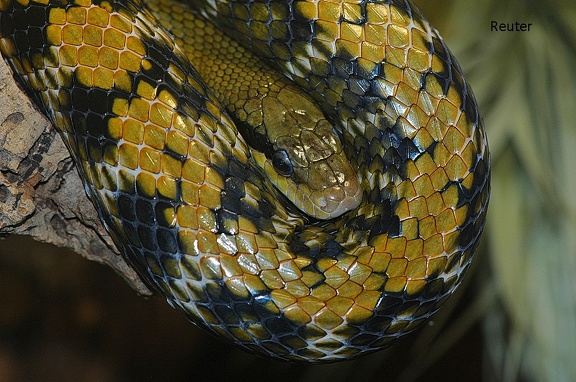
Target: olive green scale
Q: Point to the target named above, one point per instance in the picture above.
(188, 202)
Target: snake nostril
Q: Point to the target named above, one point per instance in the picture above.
(335, 193)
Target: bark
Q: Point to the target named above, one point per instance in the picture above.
(41, 194)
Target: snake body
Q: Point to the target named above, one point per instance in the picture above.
(190, 204)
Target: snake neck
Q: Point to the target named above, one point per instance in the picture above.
(302, 153)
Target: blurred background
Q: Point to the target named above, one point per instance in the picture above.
(514, 319)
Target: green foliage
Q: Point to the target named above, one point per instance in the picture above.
(525, 83)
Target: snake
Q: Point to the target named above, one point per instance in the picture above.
(306, 179)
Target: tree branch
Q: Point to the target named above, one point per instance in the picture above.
(41, 194)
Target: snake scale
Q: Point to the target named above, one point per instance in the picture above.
(208, 177)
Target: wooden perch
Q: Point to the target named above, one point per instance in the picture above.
(41, 194)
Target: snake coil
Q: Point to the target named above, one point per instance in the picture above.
(186, 199)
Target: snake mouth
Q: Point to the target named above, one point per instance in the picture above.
(337, 200)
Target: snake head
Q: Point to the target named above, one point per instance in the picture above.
(310, 168)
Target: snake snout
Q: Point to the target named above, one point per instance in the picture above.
(336, 187)
(339, 199)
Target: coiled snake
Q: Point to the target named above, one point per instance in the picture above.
(345, 225)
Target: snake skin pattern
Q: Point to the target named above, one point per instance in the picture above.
(187, 204)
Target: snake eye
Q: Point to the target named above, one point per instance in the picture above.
(282, 163)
